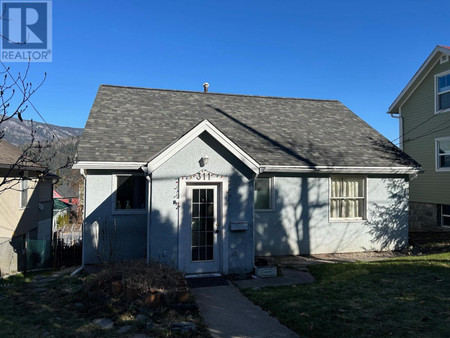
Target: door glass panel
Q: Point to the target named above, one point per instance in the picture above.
(210, 224)
(202, 231)
(195, 210)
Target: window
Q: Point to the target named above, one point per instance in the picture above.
(23, 193)
(445, 215)
(347, 198)
(130, 193)
(443, 153)
(442, 92)
(263, 193)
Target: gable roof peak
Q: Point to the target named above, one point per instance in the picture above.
(394, 107)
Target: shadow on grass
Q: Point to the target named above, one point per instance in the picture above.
(377, 299)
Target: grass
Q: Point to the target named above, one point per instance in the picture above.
(401, 297)
(65, 310)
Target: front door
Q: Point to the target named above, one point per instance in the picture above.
(201, 241)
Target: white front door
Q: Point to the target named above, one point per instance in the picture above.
(200, 231)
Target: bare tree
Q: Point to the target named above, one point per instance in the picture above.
(15, 95)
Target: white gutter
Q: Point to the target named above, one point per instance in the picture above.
(108, 165)
(340, 170)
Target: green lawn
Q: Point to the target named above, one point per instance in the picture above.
(401, 297)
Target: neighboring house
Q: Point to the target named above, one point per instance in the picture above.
(25, 211)
(66, 194)
(423, 109)
(61, 211)
(206, 181)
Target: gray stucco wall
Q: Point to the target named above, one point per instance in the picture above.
(165, 215)
(119, 236)
(300, 221)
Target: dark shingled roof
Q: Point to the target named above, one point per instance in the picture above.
(133, 124)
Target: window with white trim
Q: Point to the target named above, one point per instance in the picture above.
(445, 215)
(443, 153)
(347, 198)
(442, 92)
(130, 192)
(23, 193)
(263, 193)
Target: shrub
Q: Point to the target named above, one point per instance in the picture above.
(136, 274)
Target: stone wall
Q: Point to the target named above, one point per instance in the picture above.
(423, 217)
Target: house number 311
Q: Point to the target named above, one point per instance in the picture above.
(204, 176)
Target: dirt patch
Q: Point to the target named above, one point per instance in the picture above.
(298, 262)
(421, 243)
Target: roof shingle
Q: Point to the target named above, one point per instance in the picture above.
(129, 124)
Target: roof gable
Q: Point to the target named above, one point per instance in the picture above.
(205, 126)
(418, 76)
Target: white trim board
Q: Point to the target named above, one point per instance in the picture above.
(341, 170)
(160, 158)
(437, 49)
(107, 165)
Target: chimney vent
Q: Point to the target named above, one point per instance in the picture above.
(205, 87)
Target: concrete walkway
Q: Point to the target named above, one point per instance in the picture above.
(228, 313)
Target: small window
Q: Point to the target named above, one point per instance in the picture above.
(443, 154)
(347, 198)
(130, 193)
(445, 215)
(23, 193)
(263, 193)
(442, 92)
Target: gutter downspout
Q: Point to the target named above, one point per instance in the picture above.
(83, 173)
(255, 176)
(400, 125)
(148, 176)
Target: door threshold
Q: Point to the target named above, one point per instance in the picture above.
(203, 275)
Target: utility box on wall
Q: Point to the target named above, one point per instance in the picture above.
(239, 226)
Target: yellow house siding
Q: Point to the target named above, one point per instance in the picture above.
(418, 113)
(12, 214)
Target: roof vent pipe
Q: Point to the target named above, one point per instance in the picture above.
(205, 87)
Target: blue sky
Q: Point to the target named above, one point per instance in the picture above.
(361, 53)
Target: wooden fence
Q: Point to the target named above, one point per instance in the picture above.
(67, 247)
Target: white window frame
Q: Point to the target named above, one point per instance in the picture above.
(364, 198)
(271, 195)
(114, 196)
(436, 94)
(436, 153)
(24, 187)
(442, 217)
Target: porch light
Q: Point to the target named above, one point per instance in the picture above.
(204, 160)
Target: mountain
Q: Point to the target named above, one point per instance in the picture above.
(58, 155)
(19, 133)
